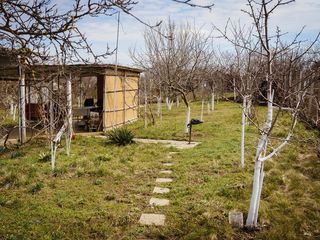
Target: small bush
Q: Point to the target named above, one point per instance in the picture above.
(120, 136)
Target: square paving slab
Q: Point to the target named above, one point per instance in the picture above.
(161, 190)
(152, 219)
(164, 180)
(158, 202)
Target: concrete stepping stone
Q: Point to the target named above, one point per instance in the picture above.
(160, 190)
(152, 219)
(172, 153)
(166, 171)
(167, 164)
(164, 180)
(158, 202)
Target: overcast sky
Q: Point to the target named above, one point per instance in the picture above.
(101, 32)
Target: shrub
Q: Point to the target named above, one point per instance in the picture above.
(120, 136)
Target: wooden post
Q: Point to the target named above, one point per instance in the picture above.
(22, 104)
(104, 103)
(124, 98)
(145, 102)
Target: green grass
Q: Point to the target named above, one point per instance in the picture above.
(100, 190)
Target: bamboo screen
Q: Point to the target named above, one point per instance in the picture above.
(121, 100)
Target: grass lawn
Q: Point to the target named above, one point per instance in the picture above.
(100, 190)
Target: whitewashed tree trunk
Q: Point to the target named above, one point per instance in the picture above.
(22, 106)
(234, 89)
(188, 113)
(14, 112)
(69, 115)
(169, 103)
(145, 104)
(208, 107)
(243, 120)
(11, 107)
(159, 107)
(202, 107)
(248, 109)
(212, 101)
(177, 102)
(258, 168)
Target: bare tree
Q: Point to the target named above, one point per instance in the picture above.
(176, 58)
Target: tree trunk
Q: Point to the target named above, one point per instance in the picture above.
(188, 113)
(234, 89)
(248, 109)
(258, 169)
(202, 106)
(69, 115)
(208, 107)
(169, 103)
(22, 106)
(145, 104)
(244, 105)
(177, 102)
(212, 101)
(14, 112)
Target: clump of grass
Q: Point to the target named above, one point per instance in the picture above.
(120, 136)
(11, 180)
(103, 158)
(44, 157)
(97, 182)
(16, 154)
(36, 188)
(2, 149)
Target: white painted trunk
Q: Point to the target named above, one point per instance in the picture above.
(252, 218)
(208, 107)
(159, 106)
(212, 101)
(248, 109)
(11, 108)
(177, 102)
(14, 112)
(202, 106)
(22, 107)
(234, 89)
(51, 111)
(145, 105)
(69, 115)
(188, 113)
(243, 119)
(169, 103)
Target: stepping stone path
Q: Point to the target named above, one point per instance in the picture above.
(158, 219)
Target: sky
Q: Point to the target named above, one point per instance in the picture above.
(102, 31)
